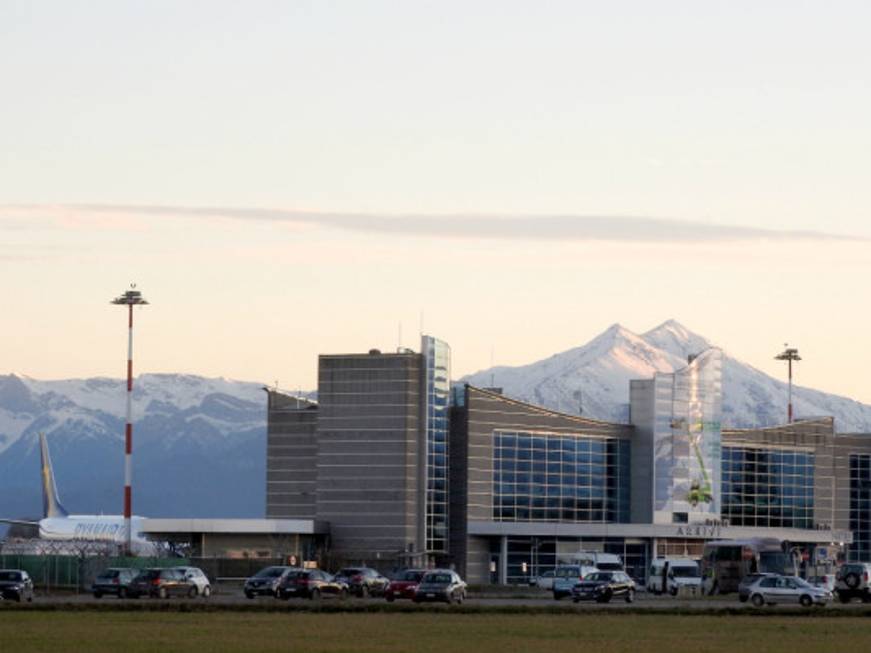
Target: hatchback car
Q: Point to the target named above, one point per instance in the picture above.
(161, 584)
(404, 585)
(311, 584)
(115, 580)
(16, 585)
(198, 577)
(602, 586)
(266, 581)
(440, 585)
(775, 588)
(363, 581)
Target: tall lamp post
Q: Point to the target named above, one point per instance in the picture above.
(129, 299)
(789, 355)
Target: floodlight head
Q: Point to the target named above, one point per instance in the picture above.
(788, 354)
(130, 297)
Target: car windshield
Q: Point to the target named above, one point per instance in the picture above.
(350, 571)
(685, 572)
(413, 576)
(437, 579)
(567, 572)
(10, 575)
(801, 582)
(110, 573)
(775, 562)
(270, 572)
(614, 566)
(601, 575)
(149, 574)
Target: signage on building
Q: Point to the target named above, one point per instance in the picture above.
(697, 530)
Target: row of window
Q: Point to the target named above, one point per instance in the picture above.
(767, 487)
(566, 478)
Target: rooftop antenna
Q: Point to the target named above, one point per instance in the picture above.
(421, 323)
(130, 298)
(789, 355)
(399, 339)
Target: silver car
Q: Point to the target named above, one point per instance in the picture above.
(774, 588)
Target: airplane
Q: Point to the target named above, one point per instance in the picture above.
(60, 526)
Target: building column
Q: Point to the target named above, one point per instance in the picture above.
(503, 560)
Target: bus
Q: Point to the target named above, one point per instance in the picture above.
(726, 562)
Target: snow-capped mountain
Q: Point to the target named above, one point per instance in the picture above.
(594, 379)
(199, 445)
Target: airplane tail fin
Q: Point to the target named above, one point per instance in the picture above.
(51, 505)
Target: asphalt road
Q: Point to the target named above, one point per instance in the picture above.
(229, 596)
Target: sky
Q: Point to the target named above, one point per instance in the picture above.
(283, 179)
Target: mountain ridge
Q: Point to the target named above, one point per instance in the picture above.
(593, 379)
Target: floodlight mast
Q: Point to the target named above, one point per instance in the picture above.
(129, 299)
(789, 355)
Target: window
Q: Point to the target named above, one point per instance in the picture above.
(560, 478)
(768, 487)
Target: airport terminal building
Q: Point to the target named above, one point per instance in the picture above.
(402, 469)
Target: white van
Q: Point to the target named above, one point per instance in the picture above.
(670, 574)
(595, 560)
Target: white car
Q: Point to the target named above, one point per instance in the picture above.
(198, 578)
(774, 588)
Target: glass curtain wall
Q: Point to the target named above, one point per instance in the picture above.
(560, 478)
(768, 487)
(860, 508)
(437, 357)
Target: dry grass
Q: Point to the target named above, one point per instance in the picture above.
(132, 632)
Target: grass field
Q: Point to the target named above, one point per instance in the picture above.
(132, 632)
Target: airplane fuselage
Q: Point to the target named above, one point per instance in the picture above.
(94, 528)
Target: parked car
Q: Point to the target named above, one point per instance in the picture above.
(266, 581)
(441, 585)
(115, 580)
(746, 583)
(852, 581)
(567, 576)
(774, 588)
(602, 586)
(363, 581)
(198, 577)
(16, 585)
(669, 575)
(311, 584)
(161, 584)
(543, 581)
(404, 585)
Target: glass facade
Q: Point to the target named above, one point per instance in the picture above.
(860, 507)
(560, 478)
(768, 487)
(437, 358)
(529, 557)
(687, 440)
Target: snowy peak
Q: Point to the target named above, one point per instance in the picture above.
(593, 379)
(673, 337)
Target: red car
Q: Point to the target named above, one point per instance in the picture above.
(404, 585)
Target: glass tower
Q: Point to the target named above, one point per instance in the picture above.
(437, 389)
(687, 440)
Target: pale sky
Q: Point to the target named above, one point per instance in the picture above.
(288, 178)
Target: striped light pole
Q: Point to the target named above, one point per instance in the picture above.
(129, 299)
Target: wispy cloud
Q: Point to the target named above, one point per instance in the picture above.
(517, 227)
